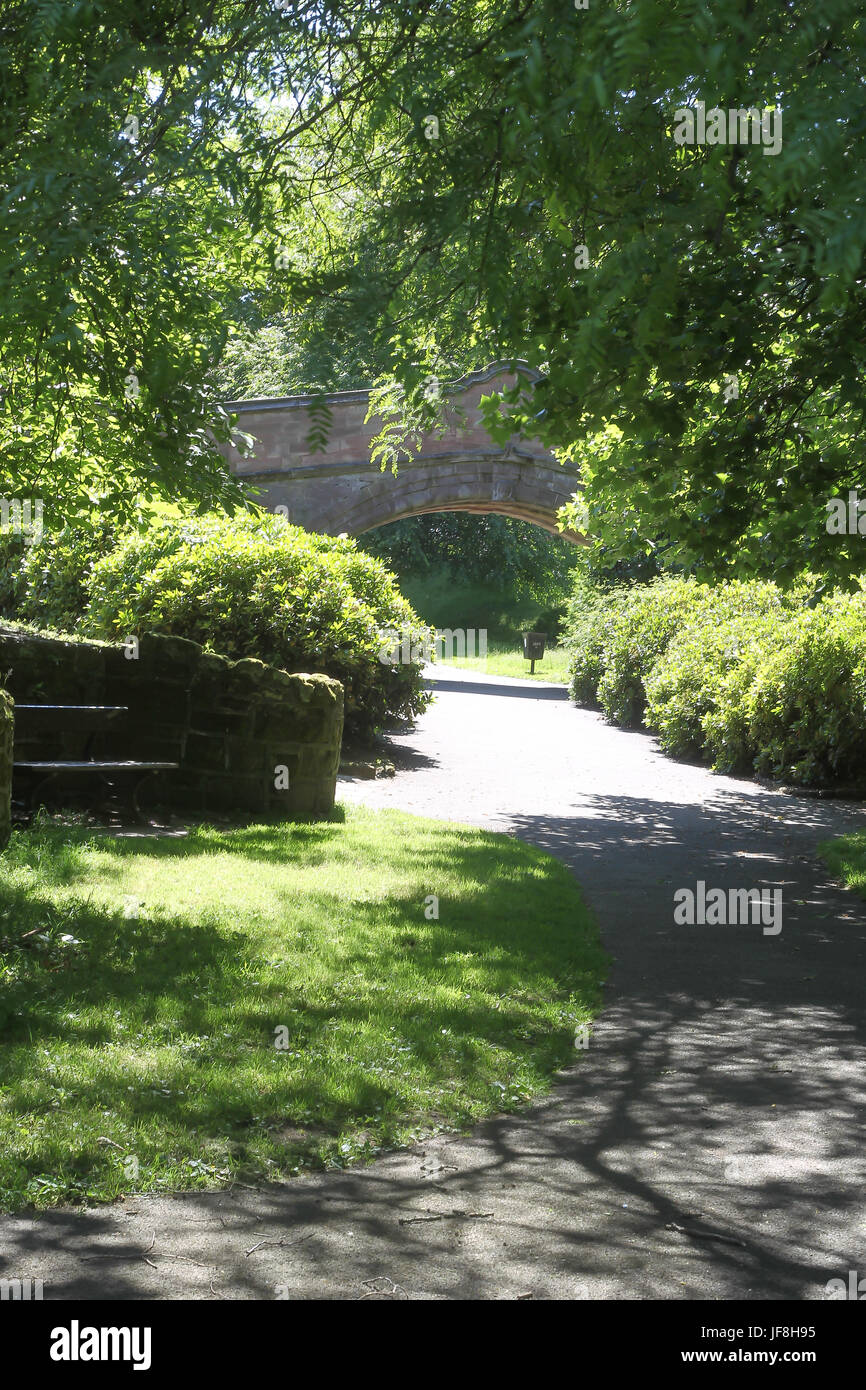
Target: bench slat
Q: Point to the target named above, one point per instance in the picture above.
(103, 709)
(95, 766)
(82, 719)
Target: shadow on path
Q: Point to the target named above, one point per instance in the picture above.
(708, 1143)
(524, 691)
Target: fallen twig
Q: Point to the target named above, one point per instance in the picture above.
(263, 1243)
(185, 1259)
(395, 1291)
(9, 943)
(109, 1255)
(445, 1216)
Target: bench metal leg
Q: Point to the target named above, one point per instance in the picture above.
(31, 803)
(136, 788)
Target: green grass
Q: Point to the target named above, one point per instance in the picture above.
(507, 660)
(444, 600)
(846, 857)
(140, 1054)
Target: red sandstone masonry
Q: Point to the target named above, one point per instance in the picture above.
(339, 489)
(229, 724)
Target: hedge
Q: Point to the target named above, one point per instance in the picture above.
(247, 585)
(741, 674)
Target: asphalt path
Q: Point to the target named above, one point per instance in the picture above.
(707, 1144)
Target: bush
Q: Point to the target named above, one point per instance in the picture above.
(250, 585)
(743, 674)
(590, 619)
(11, 556)
(728, 743)
(806, 707)
(640, 631)
(705, 668)
(256, 586)
(47, 583)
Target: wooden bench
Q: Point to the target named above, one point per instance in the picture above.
(90, 720)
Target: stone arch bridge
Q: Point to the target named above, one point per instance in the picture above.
(338, 489)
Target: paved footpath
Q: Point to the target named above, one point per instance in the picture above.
(708, 1144)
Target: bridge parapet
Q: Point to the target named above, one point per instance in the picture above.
(337, 488)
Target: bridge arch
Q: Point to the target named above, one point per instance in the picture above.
(339, 489)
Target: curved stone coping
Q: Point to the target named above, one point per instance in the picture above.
(517, 367)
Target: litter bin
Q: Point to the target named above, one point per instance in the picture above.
(533, 648)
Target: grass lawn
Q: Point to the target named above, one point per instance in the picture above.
(502, 660)
(246, 1003)
(846, 857)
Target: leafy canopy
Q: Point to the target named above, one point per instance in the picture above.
(152, 158)
(419, 177)
(515, 136)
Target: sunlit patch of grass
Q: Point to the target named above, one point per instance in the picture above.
(846, 857)
(175, 1013)
(503, 660)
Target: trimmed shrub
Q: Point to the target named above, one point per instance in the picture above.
(707, 667)
(728, 743)
(257, 586)
(742, 674)
(639, 633)
(806, 707)
(591, 616)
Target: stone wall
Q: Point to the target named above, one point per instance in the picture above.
(6, 725)
(231, 725)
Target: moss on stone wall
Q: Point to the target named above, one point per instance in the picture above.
(6, 726)
(246, 737)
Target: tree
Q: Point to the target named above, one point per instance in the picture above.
(696, 310)
(452, 182)
(153, 157)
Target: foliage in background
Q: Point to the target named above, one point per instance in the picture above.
(492, 572)
(158, 190)
(704, 262)
(402, 181)
(46, 584)
(743, 674)
(513, 555)
(287, 356)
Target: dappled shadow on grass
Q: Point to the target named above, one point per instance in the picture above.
(719, 1044)
(159, 1032)
(710, 1142)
